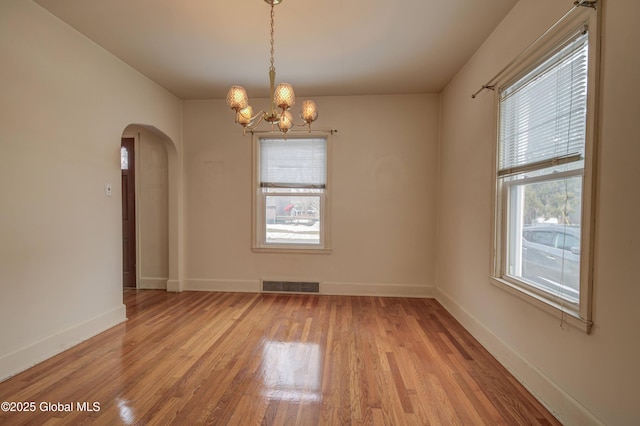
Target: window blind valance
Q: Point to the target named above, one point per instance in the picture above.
(293, 163)
(543, 115)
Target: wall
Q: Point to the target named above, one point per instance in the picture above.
(384, 179)
(152, 207)
(64, 104)
(584, 379)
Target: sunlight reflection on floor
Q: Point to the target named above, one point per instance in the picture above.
(126, 413)
(291, 371)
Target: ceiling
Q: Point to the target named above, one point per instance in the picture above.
(197, 49)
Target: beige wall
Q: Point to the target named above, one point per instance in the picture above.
(585, 379)
(152, 209)
(64, 104)
(383, 186)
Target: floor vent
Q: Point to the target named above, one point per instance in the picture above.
(291, 286)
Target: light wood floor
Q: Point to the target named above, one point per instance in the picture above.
(239, 359)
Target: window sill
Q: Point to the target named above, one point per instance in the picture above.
(291, 250)
(569, 315)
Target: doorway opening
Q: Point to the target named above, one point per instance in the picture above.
(127, 167)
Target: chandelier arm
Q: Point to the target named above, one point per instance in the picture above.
(305, 124)
(253, 123)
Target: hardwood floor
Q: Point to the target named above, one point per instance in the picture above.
(238, 359)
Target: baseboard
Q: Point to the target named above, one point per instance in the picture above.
(174, 286)
(376, 289)
(231, 285)
(22, 359)
(562, 405)
(152, 283)
(329, 288)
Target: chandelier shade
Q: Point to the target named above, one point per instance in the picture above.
(245, 115)
(309, 111)
(237, 98)
(286, 122)
(282, 96)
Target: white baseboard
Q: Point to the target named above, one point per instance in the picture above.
(555, 399)
(329, 288)
(24, 358)
(152, 283)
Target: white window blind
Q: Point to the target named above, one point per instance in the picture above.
(543, 114)
(293, 163)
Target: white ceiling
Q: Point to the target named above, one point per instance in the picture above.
(197, 49)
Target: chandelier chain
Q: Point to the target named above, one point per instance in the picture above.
(272, 37)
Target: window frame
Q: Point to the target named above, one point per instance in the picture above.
(578, 315)
(258, 232)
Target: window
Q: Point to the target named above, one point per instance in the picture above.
(544, 177)
(291, 193)
(124, 158)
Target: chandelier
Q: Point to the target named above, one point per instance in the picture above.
(282, 99)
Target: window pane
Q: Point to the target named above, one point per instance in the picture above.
(124, 158)
(544, 235)
(292, 219)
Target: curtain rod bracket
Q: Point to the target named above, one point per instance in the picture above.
(485, 86)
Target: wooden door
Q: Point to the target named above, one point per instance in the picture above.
(128, 213)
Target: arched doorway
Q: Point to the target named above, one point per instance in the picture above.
(154, 165)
